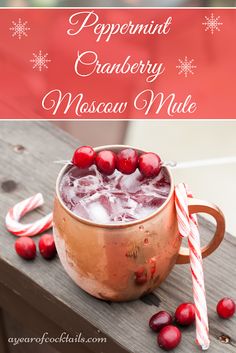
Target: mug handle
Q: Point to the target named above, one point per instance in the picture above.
(196, 206)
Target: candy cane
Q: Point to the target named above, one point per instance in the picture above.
(19, 210)
(188, 227)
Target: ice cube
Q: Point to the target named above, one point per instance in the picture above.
(128, 217)
(81, 211)
(130, 183)
(163, 189)
(143, 212)
(131, 205)
(98, 213)
(93, 197)
(86, 186)
(107, 202)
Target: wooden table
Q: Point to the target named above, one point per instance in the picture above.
(38, 296)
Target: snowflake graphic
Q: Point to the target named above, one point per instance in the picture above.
(40, 61)
(19, 29)
(186, 67)
(212, 23)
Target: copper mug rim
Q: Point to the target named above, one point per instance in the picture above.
(113, 225)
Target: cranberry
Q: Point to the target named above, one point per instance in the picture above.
(149, 164)
(225, 308)
(84, 157)
(106, 162)
(169, 337)
(160, 320)
(47, 246)
(26, 248)
(185, 314)
(141, 276)
(127, 161)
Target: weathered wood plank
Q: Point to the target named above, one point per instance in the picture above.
(3, 335)
(18, 318)
(46, 286)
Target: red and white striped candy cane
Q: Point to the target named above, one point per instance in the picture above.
(19, 210)
(188, 227)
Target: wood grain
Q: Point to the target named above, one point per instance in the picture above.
(46, 287)
(18, 318)
(3, 335)
(15, 329)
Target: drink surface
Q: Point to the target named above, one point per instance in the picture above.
(117, 198)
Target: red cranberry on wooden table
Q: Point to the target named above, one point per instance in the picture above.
(84, 157)
(26, 248)
(160, 320)
(185, 314)
(226, 308)
(47, 246)
(169, 337)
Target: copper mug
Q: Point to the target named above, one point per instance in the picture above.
(121, 262)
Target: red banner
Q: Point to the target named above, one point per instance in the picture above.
(122, 63)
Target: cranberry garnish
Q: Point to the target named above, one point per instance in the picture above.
(84, 157)
(47, 246)
(106, 162)
(149, 164)
(26, 248)
(226, 308)
(169, 337)
(185, 314)
(141, 276)
(160, 320)
(127, 161)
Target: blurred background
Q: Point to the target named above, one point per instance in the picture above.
(173, 140)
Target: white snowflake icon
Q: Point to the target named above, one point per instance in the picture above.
(40, 61)
(19, 29)
(212, 23)
(186, 67)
